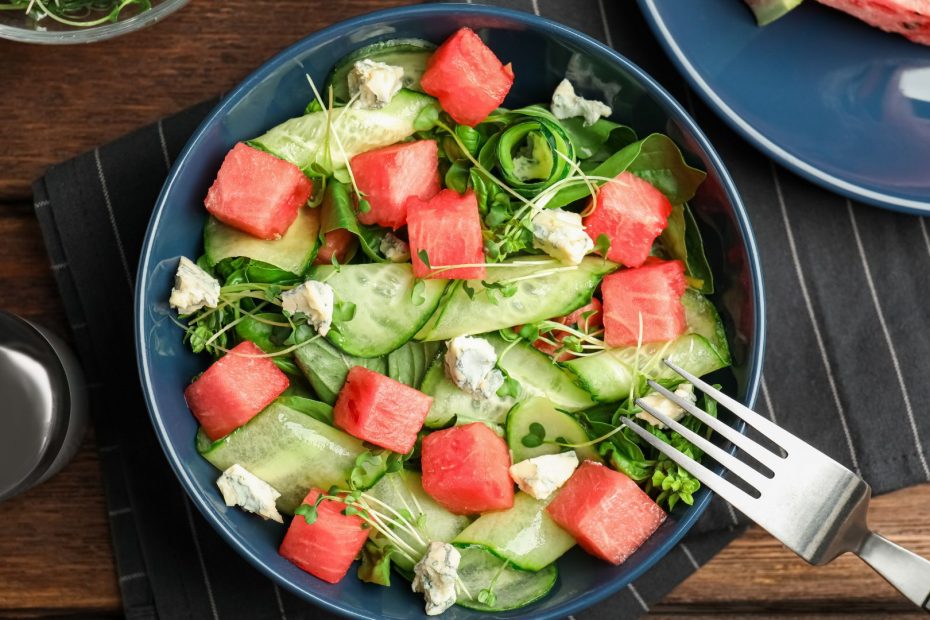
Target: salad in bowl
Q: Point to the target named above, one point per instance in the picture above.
(419, 317)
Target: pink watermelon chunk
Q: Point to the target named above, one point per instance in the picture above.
(338, 242)
(257, 193)
(653, 290)
(606, 512)
(327, 547)
(380, 410)
(632, 213)
(467, 78)
(467, 469)
(234, 389)
(448, 227)
(910, 18)
(389, 176)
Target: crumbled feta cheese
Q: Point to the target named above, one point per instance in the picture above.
(540, 476)
(314, 299)
(375, 83)
(470, 365)
(395, 249)
(242, 488)
(664, 405)
(193, 289)
(566, 104)
(435, 576)
(561, 235)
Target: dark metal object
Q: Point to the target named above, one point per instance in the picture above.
(43, 405)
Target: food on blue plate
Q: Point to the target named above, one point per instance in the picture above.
(430, 314)
(909, 18)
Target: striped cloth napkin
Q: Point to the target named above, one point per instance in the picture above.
(845, 285)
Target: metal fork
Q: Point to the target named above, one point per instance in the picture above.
(808, 501)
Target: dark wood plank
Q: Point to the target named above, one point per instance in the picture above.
(63, 100)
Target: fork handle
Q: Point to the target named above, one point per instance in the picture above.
(905, 570)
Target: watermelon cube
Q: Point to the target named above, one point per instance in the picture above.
(338, 243)
(257, 193)
(448, 228)
(632, 213)
(467, 469)
(389, 176)
(467, 78)
(606, 512)
(380, 410)
(234, 389)
(327, 547)
(652, 291)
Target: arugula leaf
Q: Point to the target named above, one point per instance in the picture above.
(338, 211)
(655, 158)
(681, 239)
(597, 141)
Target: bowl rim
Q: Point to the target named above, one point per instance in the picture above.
(425, 11)
(92, 34)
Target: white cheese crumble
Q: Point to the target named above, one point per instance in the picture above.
(435, 576)
(315, 300)
(566, 104)
(375, 83)
(193, 289)
(540, 476)
(395, 249)
(561, 235)
(242, 488)
(664, 405)
(470, 365)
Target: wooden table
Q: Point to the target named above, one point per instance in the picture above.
(55, 555)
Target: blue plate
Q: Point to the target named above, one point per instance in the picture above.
(837, 101)
(541, 52)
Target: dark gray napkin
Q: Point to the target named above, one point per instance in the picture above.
(844, 282)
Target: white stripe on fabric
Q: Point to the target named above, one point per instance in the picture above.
(277, 595)
(59, 266)
(639, 599)
(690, 556)
(131, 576)
(571, 618)
(109, 205)
(768, 401)
(923, 229)
(164, 145)
(535, 7)
(888, 341)
(607, 38)
(203, 564)
(120, 511)
(42, 203)
(799, 271)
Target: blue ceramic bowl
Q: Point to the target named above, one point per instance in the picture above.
(541, 52)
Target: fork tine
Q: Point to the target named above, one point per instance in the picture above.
(741, 469)
(744, 443)
(728, 491)
(777, 434)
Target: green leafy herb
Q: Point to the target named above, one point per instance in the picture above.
(510, 387)
(338, 211)
(376, 563)
(308, 511)
(343, 312)
(428, 117)
(425, 258)
(602, 245)
(79, 13)
(363, 205)
(599, 140)
(535, 436)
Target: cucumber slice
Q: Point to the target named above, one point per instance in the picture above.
(386, 310)
(411, 54)
(524, 534)
(703, 319)
(326, 367)
(537, 375)
(609, 375)
(403, 491)
(557, 425)
(293, 252)
(409, 363)
(512, 588)
(449, 401)
(289, 450)
(555, 294)
(306, 142)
